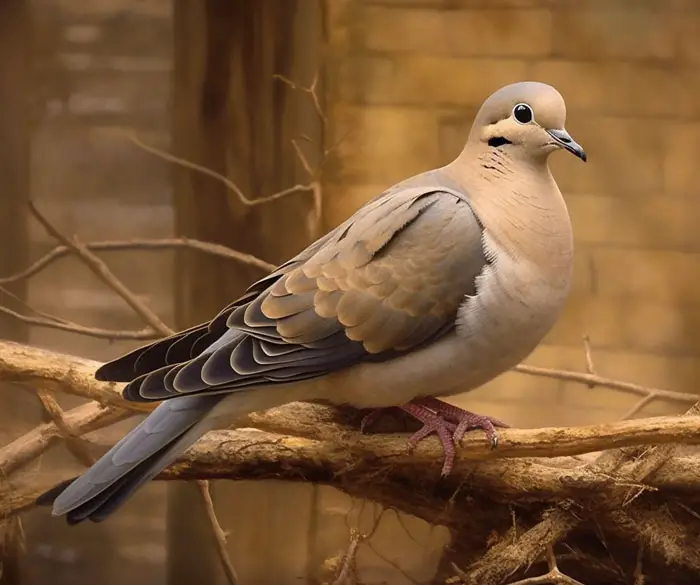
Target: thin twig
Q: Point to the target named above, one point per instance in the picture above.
(590, 366)
(102, 271)
(70, 435)
(595, 380)
(141, 244)
(553, 577)
(639, 405)
(219, 177)
(311, 90)
(44, 319)
(219, 534)
(29, 446)
(349, 557)
(145, 334)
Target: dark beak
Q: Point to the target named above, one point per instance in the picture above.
(563, 139)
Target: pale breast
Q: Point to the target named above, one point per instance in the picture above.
(518, 301)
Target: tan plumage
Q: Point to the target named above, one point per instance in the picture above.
(434, 287)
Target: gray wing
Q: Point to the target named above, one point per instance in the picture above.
(137, 458)
(388, 280)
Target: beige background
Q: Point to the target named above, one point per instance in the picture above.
(403, 82)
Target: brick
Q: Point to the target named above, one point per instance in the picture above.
(624, 156)
(454, 129)
(105, 218)
(583, 273)
(75, 9)
(427, 81)
(494, 33)
(629, 33)
(363, 79)
(604, 404)
(383, 145)
(339, 18)
(666, 276)
(673, 373)
(604, 5)
(342, 200)
(688, 33)
(617, 88)
(681, 169)
(77, 162)
(662, 328)
(435, 81)
(456, 4)
(515, 387)
(628, 323)
(649, 221)
(111, 97)
(597, 317)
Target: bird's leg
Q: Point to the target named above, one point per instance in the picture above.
(433, 423)
(449, 423)
(464, 419)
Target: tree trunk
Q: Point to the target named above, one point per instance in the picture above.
(14, 172)
(233, 117)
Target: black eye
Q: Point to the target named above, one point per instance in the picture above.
(523, 113)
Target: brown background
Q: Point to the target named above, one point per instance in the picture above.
(401, 83)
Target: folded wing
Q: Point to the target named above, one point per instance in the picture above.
(388, 280)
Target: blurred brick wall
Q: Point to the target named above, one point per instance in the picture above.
(101, 71)
(407, 79)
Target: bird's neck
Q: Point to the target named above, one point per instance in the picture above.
(518, 203)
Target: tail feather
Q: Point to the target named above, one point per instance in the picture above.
(150, 447)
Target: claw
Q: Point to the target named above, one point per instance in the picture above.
(450, 423)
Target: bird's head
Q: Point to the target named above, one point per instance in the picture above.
(526, 119)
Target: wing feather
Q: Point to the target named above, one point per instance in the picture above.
(388, 280)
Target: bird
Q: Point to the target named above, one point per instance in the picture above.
(436, 286)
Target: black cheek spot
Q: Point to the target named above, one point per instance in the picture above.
(497, 141)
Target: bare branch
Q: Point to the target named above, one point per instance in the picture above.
(595, 380)
(43, 319)
(219, 177)
(34, 368)
(102, 271)
(553, 577)
(68, 432)
(29, 446)
(311, 90)
(141, 244)
(219, 534)
(145, 334)
(349, 558)
(636, 408)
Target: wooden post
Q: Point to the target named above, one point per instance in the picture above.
(233, 117)
(14, 178)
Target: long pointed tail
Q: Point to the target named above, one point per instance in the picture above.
(150, 447)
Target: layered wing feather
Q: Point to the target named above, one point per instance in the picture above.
(388, 280)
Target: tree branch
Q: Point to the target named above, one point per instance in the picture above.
(102, 271)
(141, 244)
(219, 177)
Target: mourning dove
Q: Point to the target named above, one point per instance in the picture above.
(433, 288)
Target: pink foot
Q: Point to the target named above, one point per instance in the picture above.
(448, 422)
(464, 419)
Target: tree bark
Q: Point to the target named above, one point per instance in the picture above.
(14, 171)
